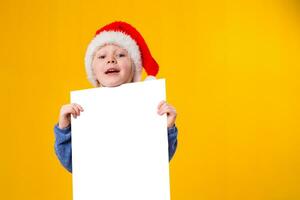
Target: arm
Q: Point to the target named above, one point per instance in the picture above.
(172, 139)
(62, 146)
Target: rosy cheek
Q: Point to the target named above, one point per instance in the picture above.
(98, 65)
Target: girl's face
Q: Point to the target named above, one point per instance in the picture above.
(112, 66)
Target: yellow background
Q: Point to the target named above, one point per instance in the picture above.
(232, 71)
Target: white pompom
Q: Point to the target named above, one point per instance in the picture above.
(149, 78)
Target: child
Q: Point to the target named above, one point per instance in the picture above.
(115, 56)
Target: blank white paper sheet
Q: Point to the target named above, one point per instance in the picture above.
(120, 143)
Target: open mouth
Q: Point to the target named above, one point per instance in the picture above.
(112, 71)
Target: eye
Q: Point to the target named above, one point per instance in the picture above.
(121, 55)
(101, 57)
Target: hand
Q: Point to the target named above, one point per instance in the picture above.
(65, 114)
(163, 108)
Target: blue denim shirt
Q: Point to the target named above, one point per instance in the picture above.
(63, 149)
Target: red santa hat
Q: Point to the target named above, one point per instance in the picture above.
(127, 37)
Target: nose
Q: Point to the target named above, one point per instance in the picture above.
(111, 60)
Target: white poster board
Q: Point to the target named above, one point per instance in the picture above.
(120, 143)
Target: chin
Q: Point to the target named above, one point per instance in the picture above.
(112, 84)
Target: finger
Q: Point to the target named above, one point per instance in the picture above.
(160, 104)
(79, 106)
(77, 109)
(164, 107)
(165, 110)
(163, 104)
(74, 111)
(161, 108)
(172, 109)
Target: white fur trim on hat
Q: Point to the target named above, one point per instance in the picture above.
(112, 37)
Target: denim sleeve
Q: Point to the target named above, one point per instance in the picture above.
(62, 146)
(172, 139)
